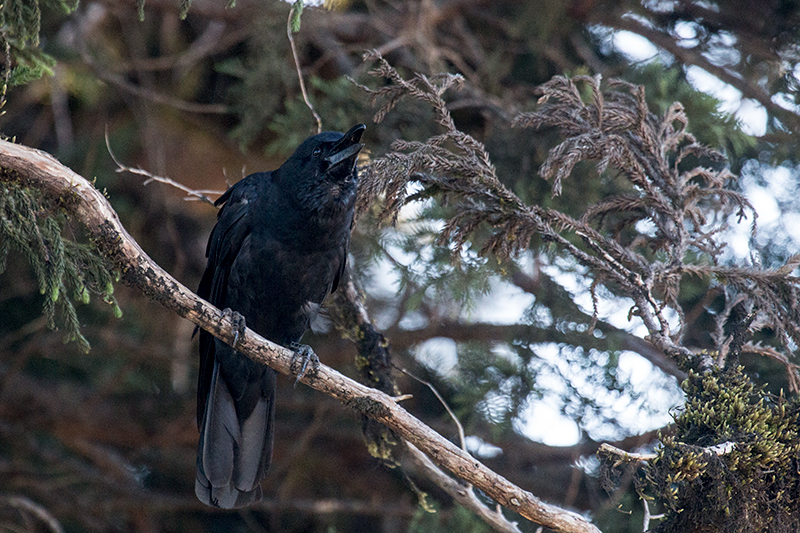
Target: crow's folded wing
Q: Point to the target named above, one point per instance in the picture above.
(233, 227)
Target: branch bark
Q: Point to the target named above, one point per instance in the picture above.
(459, 492)
(542, 286)
(68, 190)
(374, 348)
(689, 56)
(615, 338)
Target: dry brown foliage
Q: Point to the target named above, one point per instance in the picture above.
(682, 188)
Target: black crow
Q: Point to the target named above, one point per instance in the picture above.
(278, 250)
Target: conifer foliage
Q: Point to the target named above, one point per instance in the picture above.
(681, 188)
(488, 166)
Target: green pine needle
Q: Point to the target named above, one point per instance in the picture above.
(184, 8)
(297, 11)
(62, 267)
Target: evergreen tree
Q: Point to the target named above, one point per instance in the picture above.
(528, 187)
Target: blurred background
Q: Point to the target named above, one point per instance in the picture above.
(105, 440)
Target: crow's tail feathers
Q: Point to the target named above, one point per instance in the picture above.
(225, 497)
(235, 447)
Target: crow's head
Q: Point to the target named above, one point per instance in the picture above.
(322, 171)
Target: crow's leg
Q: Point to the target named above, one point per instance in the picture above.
(303, 354)
(238, 324)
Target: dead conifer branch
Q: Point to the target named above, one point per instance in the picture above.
(613, 128)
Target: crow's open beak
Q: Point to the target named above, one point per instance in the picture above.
(347, 147)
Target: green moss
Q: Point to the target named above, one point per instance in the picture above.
(732, 463)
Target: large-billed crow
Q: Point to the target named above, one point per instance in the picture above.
(278, 249)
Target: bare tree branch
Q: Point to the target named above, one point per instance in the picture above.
(688, 56)
(623, 456)
(463, 494)
(348, 301)
(24, 504)
(32, 168)
(289, 32)
(615, 338)
(191, 194)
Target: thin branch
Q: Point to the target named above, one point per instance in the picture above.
(461, 436)
(157, 97)
(613, 338)
(143, 92)
(193, 194)
(623, 456)
(648, 516)
(300, 71)
(24, 504)
(463, 494)
(350, 298)
(73, 193)
(688, 56)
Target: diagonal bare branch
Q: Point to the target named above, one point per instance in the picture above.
(76, 195)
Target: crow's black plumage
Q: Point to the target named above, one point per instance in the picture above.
(278, 249)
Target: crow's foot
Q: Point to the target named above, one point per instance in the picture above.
(238, 323)
(303, 354)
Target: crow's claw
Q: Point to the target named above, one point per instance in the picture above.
(238, 323)
(305, 354)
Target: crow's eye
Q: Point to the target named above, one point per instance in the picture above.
(317, 151)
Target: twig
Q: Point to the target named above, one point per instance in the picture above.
(193, 194)
(625, 457)
(299, 70)
(74, 194)
(23, 503)
(722, 448)
(461, 436)
(648, 516)
(463, 494)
